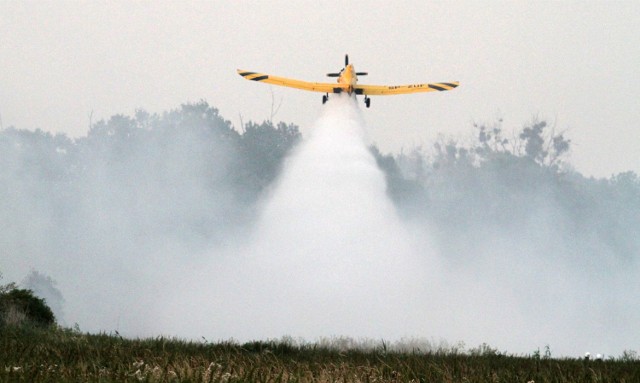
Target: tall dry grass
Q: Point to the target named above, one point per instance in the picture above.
(29, 354)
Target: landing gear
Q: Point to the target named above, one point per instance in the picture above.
(367, 101)
(325, 98)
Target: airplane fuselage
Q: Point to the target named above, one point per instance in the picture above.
(348, 77)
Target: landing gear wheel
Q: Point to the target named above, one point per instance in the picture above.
(367, 101)
(325, 98)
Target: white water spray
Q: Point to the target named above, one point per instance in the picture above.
(329, 257)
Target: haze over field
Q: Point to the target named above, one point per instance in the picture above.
(176, 224)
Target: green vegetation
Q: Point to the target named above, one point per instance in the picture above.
(30, 354)
(22, 307)
(20, 304)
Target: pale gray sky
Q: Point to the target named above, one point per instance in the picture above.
(573, 63)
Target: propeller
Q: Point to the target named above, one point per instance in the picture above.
(346, 63)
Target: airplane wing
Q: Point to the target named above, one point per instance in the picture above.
(384, 90)
(311, 86)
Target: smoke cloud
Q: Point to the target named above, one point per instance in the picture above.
(324, 252)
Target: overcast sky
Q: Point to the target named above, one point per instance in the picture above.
(572, 63)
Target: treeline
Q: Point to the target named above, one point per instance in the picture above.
(519, 185)
(188, 174)
(185, 172)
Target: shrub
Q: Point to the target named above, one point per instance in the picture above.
(19, 305)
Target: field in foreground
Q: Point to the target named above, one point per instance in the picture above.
(37, 355)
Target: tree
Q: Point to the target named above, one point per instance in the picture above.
(18, 306)
(6, 288)
(263, 149)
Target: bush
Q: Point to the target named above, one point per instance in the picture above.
(18, 306)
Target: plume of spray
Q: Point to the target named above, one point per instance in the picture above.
(329, 256)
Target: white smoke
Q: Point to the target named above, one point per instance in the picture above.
(329, 256)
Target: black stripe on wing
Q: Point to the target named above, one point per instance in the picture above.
(436, 87)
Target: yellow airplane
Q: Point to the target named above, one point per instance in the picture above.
(348, 82)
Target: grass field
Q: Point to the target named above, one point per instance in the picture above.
(30, 354)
